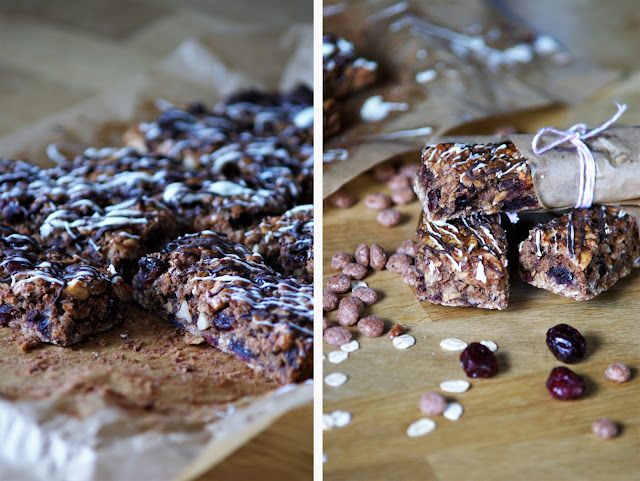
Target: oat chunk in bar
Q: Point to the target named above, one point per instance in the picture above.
(462, 262)
(286, 242)
(53, 297)
(456, 180)
(582, 253)
(219, 289)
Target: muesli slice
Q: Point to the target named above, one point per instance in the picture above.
(457, 180)
(54, 297)
(286, 242)
(220, 290)
(582, 253)
(116, 235)
(343, 72)
(463, 262)
(187, 133)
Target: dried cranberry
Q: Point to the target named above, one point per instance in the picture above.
(150, 269)
(5, 314)
(564, 384)
(561, 275)
(478, 361)
(566, 343)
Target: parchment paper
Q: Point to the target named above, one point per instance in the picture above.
(556, 173)
(462, 42)
(102, 421)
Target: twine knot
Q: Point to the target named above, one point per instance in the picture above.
(576, 135)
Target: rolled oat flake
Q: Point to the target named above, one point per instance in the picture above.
(335, 379)
(421, 427)
(453, 344)
(455, 385)
(405, 341)
(350, 346)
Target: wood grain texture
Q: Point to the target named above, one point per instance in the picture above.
(511, 428)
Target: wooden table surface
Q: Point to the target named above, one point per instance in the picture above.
(55, 54)
(511, 428)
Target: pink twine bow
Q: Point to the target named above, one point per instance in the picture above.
(576, 135)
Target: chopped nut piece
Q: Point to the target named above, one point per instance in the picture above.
(397, 330)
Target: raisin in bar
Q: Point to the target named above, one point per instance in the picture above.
(220, 290)
(582, 253)
(286, 242)
(456, 180)
(463, 262)
(53, 297)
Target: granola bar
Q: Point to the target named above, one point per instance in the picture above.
(343, 73)
(582, 253)
(112, 174)
(462, 262)
(116, 235)
(53, 297)
(286, 242)
(219, 289)
(456, 180)
(186, 134)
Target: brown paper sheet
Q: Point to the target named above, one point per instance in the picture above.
(556, 173)
(468, 84)
(140, 402)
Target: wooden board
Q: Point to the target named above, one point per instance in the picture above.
(511, 428)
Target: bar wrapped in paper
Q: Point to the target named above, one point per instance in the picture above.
(459, 179)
